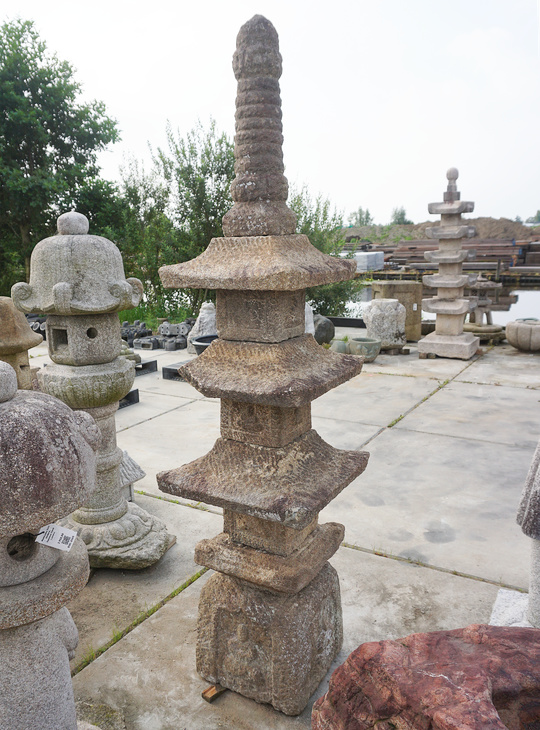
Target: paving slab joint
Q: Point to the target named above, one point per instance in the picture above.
(199, 505)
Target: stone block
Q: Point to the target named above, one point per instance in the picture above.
(409, 294)
(260, 316)
(85, 340)
(477, 678)
(288, 374)
(290, 485)
(274, 572)
(369, 260)
(272, 537)
(263, 425)
(460, 347)
(271, 648)
(385, 321)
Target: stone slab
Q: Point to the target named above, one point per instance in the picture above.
(504, 365)
(113, 599)
(462, 346)
(374, 399)
(479, 412)
(153, 681)
(149, 406)
(444, 501)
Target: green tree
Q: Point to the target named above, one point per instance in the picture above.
(534, 218)
(48, 139)
(361, 217)
(323, 226)
(399, 217)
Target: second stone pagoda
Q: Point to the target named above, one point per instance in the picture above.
(450, 305)
(270, 619)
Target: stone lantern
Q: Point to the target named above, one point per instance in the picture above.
(47, 469)
(270, 619)
(78, 281)
(16, 338)
(450, 305)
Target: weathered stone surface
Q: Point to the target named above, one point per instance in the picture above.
(36, 690)
(290, 485)
(524, 334)
(385, 321)
(460, 347)
(449, 305)
(260, 188)
(260, 316)
(408, 293)
(272, 648)
(288, 374)
(270, 263)
(263, 425)
(272, 537)
(324, 329)
(90, 339)
(274, 572)
(480, 677)
(15, 332)
(47, 462)
(75, 273)
(528, 516)
(205, 324)
(32, 601)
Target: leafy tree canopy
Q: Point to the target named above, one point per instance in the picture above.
(399, 217)
(534, 218)
(361, 217)
(48, 138)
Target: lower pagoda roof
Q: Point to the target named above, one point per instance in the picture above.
(288, 374)
(290, 484)
(271, 263)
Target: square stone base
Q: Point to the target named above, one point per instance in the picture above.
(460, 347)
(270, 648)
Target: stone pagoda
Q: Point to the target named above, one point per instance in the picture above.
(270, 619)
(16, 338)
(78, 281)
(47, 469)
(449, 305)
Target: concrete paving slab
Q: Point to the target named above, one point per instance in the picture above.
(113, 599)
(171, 439)
(500, 414)
(504, 365)
(444, 501)
(344, 434)
(372, 398)
(154, 384)
(149, 406)
(150, 675)
(440, 368)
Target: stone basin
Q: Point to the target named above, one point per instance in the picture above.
(367, 347)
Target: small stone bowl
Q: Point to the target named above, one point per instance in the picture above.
(367, 347)
(201, 343)
(339, 346)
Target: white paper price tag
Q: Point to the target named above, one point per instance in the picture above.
(57, 537)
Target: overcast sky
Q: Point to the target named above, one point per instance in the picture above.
(380, 97)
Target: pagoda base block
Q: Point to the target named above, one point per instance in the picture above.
(270, 648)
(459, 347)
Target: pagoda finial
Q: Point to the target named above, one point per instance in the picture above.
(260, 188)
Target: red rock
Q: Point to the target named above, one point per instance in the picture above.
(480, 677)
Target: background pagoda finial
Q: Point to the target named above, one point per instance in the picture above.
(260, 188)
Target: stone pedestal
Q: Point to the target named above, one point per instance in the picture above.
(449, 305)
(41, 478)
(409, 294)
(78, 280)
(270, 619)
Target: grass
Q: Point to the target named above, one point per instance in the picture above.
(91, 654)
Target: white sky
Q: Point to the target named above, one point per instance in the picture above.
(380, 97)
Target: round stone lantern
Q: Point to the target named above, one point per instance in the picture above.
(47, 469)
(78, 280)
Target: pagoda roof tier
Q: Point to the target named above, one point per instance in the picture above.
(290, 484)
(456, 207)
(446, 257)
(443, 231)
(271, 263)
(443, 281)
(447, 306)
(288, 374)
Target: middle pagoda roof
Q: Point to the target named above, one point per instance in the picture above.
(270, 263)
